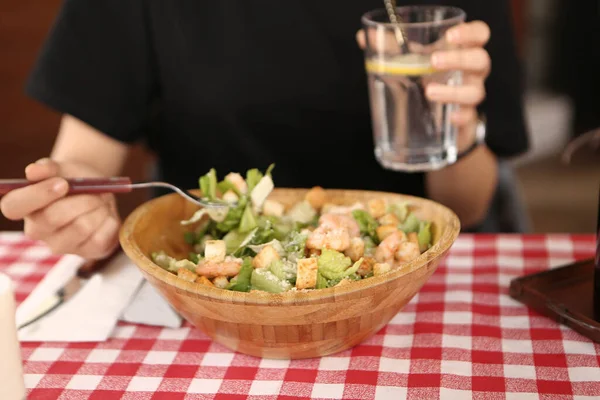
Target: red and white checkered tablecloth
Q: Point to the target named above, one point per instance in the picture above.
(462, 337)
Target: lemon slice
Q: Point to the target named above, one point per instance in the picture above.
(408, 65)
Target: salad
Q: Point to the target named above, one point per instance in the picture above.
(257, 244)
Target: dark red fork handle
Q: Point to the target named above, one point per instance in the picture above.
(76, 185)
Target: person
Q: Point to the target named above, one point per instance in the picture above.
(236, 85)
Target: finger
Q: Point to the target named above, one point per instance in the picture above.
(42, 169)
(70, 237)
(464, 116)
(59, 214)
(360, 39)
(475, 33)
(21, 202)
(102, 242)
(470, 95)
(474, 60)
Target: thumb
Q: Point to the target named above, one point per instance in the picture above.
(42, 169)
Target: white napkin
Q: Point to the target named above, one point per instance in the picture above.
(150, 308)
(92, 313)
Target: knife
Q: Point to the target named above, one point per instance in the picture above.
(69, 289)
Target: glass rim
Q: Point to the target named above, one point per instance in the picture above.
(367, 18)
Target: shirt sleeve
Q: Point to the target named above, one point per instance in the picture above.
(96, 65)
(507, 134)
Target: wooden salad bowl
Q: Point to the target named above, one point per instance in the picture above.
(290, 325)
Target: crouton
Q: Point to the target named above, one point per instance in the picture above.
(407, 251)
(366, 266)
(381, 268)
(220, 282)
(273, 208)
(230, 196)
(265, 257)
(238, 181)
(412, 237)
(186, 274)
(215, 250)
(307, 273)
(343, 282)
(384, 231)
(377, 208)
(204, 281)
(389, 219)
(316, 197)
(356, 249)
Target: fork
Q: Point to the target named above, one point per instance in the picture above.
(119, 184)
(402, 38)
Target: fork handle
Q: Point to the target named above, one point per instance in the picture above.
(120, 184)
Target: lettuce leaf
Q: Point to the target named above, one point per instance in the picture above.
(400, 210)
(411, 224)
(233, 217)
(248, 220)
(253, 176)
(242, 283)
(322, 283)
(302, 212)
(208, 185)
(295, 245)
(424, 236)
(225, 185)
(333, 265)
(367, 224)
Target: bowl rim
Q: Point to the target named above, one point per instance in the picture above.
(301, 297)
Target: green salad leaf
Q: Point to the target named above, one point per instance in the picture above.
(295, 245)
(248, 220)
(190, 238)
(270, 170)
(411, 224)
(333, 265)
(265, 280)
(367, 224)
(424, 236)
(400, 210)
(253, 176)
(322, 283)
(234, 216)
(242, 283)
(226, 185)
(208, 185)
(194, 257)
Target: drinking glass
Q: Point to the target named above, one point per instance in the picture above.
(410, 133)
(12, 385)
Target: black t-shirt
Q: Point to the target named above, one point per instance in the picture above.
(241, 84)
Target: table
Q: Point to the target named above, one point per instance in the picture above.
(461, 337)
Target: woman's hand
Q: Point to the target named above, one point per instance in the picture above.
(474, 62)
(467, 54)
(86, 225)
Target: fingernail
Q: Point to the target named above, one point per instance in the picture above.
(27, 168)
(60, 186)
(43, 161)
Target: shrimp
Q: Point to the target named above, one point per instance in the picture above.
(211, 269)
(386, 249)
(335, 221)
(334, 239)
